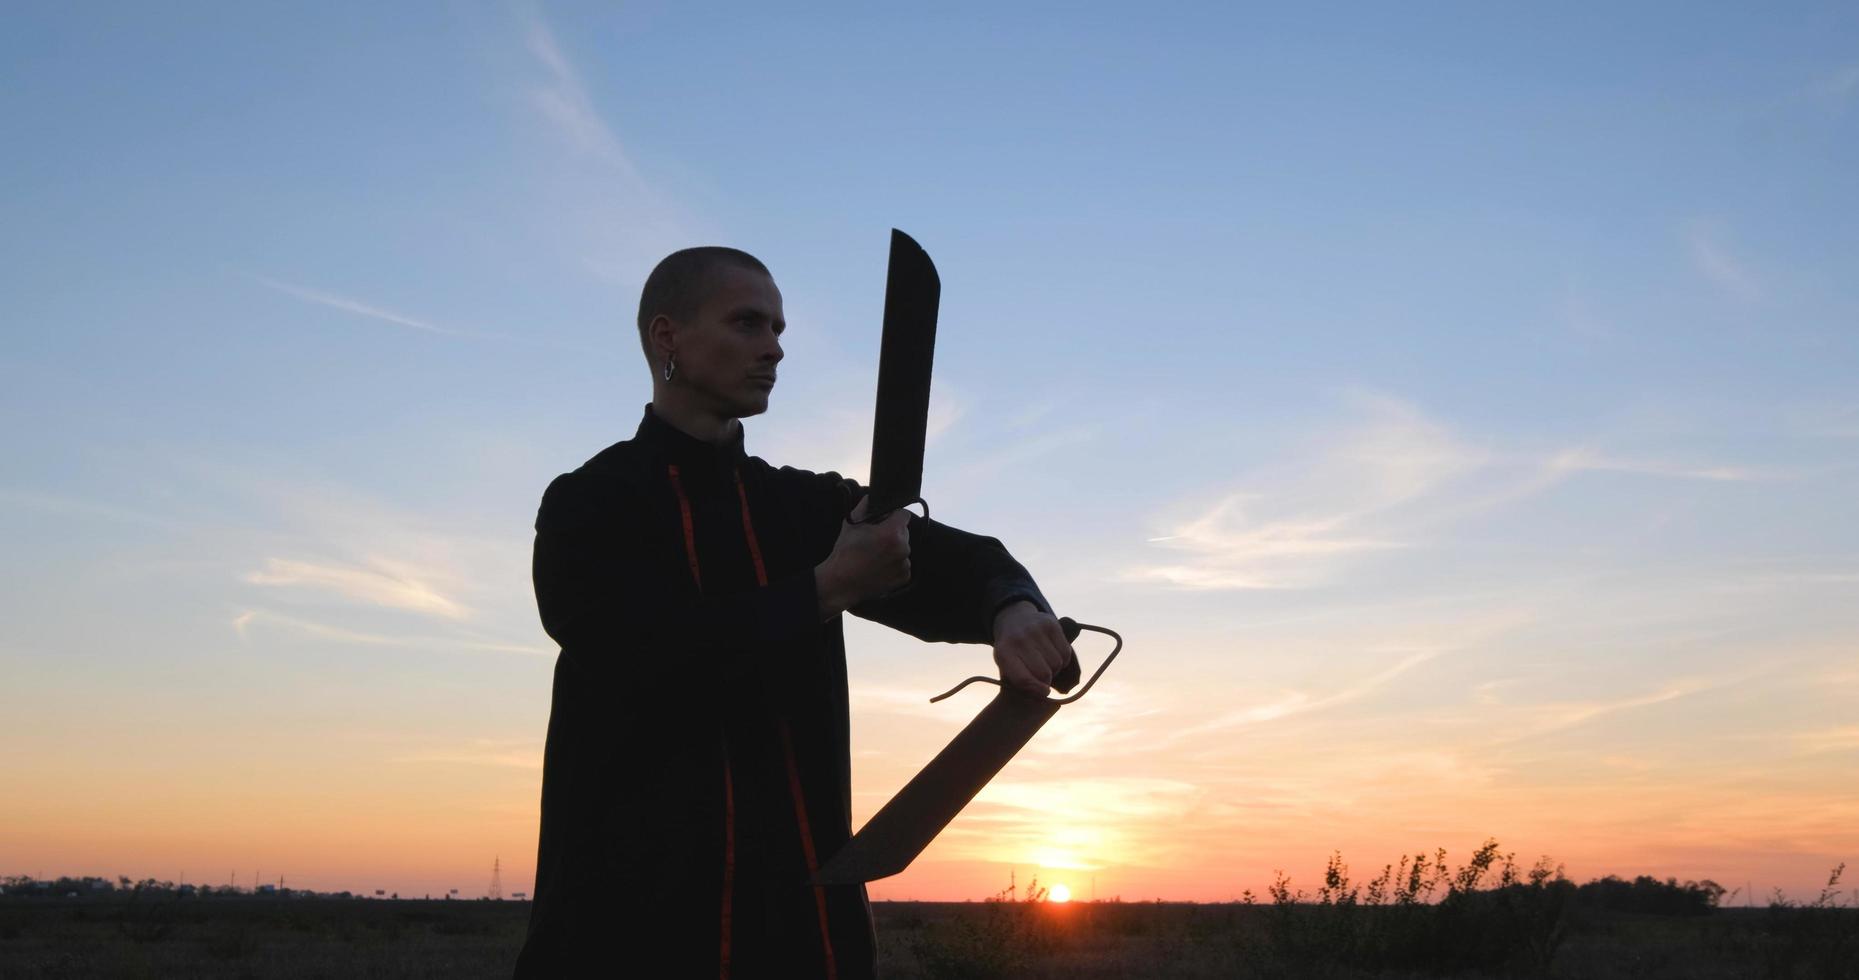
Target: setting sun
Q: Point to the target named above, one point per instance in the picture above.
(1059, 893)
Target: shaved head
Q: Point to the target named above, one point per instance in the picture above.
(680, 282)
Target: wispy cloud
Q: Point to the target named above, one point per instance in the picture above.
(1837, 86)
(67, 506)
(1232, 552)
(564, 101)
(837, 439)
(623, 222)
(946, 408)
(1580, 314)
(1550, 718)
(495, 752)
(357, 560)
(1712, 257)
(980, 473)
(1842, 739)
(1824, 421)
(1588, 460)
(1397, 456)
(353, 306)
(383, 582)
(1394, 482)
(1300, 702)
(245, 623)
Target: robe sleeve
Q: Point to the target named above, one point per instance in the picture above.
(608, 605)
(958, 581)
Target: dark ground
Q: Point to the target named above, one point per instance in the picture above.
(124, 936)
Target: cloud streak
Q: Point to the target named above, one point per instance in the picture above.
(1838, 86)
(355, 307)
(1301, 702)
(1585, 460)
(75, 507)
(1551, 718)
(618, 222)
(1381, 488)
(1399, 455)
(384, 583)
(1713, 258)
(565, 103)
(1843, 739)
(496, 753)
(243, 624)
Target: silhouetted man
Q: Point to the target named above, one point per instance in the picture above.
(697, 770)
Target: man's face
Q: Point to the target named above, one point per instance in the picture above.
(727, 352)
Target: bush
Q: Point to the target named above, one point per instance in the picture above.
(1008, 937)
(1818, 938)
(1650, 896)
(1487, 917)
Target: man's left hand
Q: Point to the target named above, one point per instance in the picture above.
(1029, 647)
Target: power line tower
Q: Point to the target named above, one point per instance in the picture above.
(496, 879)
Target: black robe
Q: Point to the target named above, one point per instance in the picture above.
(697, 765)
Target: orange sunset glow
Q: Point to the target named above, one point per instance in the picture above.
(1455, 415)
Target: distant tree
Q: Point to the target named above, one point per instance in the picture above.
(1647, 895)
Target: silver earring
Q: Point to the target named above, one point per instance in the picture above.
(671, 366)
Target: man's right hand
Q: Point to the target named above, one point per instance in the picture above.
(868, 560)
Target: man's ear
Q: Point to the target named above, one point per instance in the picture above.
(661, 334)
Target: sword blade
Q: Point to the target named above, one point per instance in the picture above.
(900, 831)
(912, 293)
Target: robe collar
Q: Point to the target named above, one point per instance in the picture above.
(689, 452)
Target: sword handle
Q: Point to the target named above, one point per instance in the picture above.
(878, 516)
(869, 519)
(1072, 629)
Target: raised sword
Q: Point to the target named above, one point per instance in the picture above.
(903, 827)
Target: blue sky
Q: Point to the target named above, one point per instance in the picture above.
(1460, 388)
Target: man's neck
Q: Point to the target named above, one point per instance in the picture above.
(695, 421)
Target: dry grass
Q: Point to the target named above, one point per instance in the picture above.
(1418, 917)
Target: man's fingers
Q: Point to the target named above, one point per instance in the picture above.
(1039, 657)
(1015, 674)
(1036, 665)
(1061, 648)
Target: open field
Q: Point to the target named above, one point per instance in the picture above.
(321, 937)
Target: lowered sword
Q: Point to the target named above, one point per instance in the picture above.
(903, 827)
